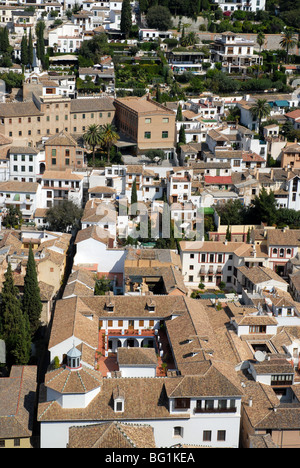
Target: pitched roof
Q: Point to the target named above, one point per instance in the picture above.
(92, 105)
(17, 399)
(61, 139)
(17, 186)
(259, 274)
(19, 109)
(137, 357)
(112, 435)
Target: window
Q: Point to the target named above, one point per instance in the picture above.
(120, 323)
(147, 135)
(67, 161)
(147, 121)
(109, 323)
(221, 436)
(165, 134)
(178, 431)
(119, 406)
(17, 443)
(209, 404)
(257, 329)
(54, 152)
(206, 436)
(53, 161)
(182, 403)
(166, 120)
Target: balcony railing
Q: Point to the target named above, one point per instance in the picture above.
(215, 410)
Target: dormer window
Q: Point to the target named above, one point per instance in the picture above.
(151, 305)
(119, 400)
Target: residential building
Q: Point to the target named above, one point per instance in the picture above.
(187, 415)
(147, 123)
(63, 153)
(235, 53)
(27, 196)
(18, 399)
(294, 118)
(243, 5)
(61, 185)
(44, 116)
(25, 163)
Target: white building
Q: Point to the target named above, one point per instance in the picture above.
(24, 163)
(242, 5)
(235, 53)
(67, 37)
(26, 196)
(178, 408)
(61, 185)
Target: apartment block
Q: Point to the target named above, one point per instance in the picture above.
(44, 116)
(147, 123)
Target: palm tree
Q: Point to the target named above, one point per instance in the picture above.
(260, 41)
(109, 137)
(260, 110)
(288, 41)
(93, 138)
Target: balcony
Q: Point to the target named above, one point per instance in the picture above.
(215, 410)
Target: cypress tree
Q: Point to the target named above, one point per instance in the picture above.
(133, 193)
(179, 116)
(30, 49)
(126, 20)
(15, 328)
(24, 51)
(31, 304)
(40, 43)
(182, 139)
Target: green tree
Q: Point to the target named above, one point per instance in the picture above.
(264, 207)
(102, 285)
(31, 301)
(134, 193)
(40, 42)
(259, 110)
(30, 49)
(14, 325)
(231, 212)
(179, 116)
(64, 216)
(93, 137)
(109, 136)
(260, 39)
(181, 137)
(126, 20)
(288, 41)
(13, 218)
(159, 17)
(24, 51)
(228, 234)
(4, 40)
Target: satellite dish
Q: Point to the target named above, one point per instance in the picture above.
(260, 356)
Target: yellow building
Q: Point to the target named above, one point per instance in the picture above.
(149, 124)
(17, 403)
